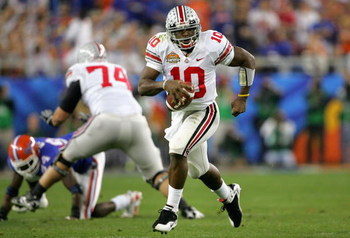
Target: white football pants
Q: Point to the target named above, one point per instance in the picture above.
(130, 134)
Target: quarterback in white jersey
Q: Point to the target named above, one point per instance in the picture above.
(187, 58)
(212, 48)
(116, 123)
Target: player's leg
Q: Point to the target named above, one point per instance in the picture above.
(148, 160)
(52, 175)
(93, 137)
(199, 167)
(90, 184)
(130, 202)
(194, 128)
(160, 182)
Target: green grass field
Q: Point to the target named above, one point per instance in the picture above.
(313, 203)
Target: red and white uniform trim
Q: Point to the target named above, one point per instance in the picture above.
(91, 185)
(202, 128)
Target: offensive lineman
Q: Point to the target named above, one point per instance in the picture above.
(185, 54)
(116, 122)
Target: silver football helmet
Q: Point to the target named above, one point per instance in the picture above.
(91, 51)
(183, 18)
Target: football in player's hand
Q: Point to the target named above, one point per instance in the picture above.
(174, 105)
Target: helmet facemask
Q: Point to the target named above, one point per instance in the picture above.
(183, 18)
(24, 156)
(28, 168)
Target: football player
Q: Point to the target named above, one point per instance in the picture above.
(186, 54)
(29, 157)
(116, 123)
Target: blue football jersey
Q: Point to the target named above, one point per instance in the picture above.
(50, 148)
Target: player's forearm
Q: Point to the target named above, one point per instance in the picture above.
(148, 87)
(59, 117)
(244, 92)
(5, 207)
(7, 203)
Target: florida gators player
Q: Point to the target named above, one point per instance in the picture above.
(30, 157)
(186, 54)
(116, 123)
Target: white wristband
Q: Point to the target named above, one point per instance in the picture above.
(246, 76)
(164, 82)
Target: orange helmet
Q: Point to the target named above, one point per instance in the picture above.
(24, 156)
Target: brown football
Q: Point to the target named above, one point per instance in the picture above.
(175, 106)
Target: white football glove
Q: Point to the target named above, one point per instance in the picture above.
(43, 203)
(19, 209)
(46, 115)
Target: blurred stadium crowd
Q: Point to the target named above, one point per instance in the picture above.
(38, 38)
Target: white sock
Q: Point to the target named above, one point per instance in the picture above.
(174, 197)
(121, 201)
(224, 191)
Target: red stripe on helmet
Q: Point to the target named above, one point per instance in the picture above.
(98, 48)
(181, 13)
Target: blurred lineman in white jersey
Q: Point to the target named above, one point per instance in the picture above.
(116, 122)
(184, 54)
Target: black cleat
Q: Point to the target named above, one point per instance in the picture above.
(166, 222)
(233, 208)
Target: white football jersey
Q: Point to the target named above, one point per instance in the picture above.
(198, 68)
(105, 88)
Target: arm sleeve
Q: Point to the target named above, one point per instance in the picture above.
(152, 57)
(71, 97)
(221, 49)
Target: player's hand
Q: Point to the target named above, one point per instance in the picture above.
(83, 117)
(177, 89)
(46, 116)
(19, 209)
(238, 106)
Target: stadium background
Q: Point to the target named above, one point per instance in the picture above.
(296, 43)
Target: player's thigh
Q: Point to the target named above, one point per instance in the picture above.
(198, 163)
(96, 136)
(196, 129)
(143, 151)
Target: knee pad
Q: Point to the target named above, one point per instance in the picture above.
(156, 184)
(63, 160)
(60, 159)
(195, 171)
